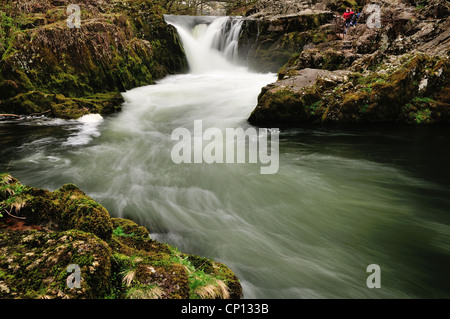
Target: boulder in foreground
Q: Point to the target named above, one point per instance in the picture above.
(42, 233)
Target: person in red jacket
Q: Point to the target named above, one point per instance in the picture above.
(348, 14)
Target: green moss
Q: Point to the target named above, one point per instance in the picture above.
(8, 31)
(126, 227)
(37, 102)
(283, 105)
(423, 116)
(423, 100)
(313, 107)
(39, 266)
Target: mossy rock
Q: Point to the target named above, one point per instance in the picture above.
(410, 89)
(120, 45)
(58, 105)
(117, 258)
(219, 271)
(127, 227)
(154, 270)
(33, 264)
(388, 97)
(280, 106)
(66, 208)
(340, 6)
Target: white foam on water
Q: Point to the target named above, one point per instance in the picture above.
(91, 118)
(86, 131)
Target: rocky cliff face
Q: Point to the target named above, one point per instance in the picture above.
(45, 66)
(268, 8)
(267, 43)
(398, 72)
(42, 233)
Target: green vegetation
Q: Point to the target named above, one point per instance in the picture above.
(119, 232)
(11, 195)
(423, 116)
(202, 285)
(364, 108)
(8, 29)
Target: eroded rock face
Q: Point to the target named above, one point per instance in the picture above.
(318, 58)
(116, 257)
(267, 43)
(120, 45)
(397, 73)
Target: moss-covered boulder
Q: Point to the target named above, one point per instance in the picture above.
(58, 105)
(409, 89)
(46, 66)
(150, 269)
(44, 234)
(296, 98)
(64, 209)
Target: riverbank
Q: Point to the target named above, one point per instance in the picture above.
(395, 72)
(43, 233)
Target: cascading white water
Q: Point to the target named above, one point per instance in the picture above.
(211, 44)
(229, 40)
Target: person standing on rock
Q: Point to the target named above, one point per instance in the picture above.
(348, 14)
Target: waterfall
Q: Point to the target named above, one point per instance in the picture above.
(226, 40)
(210, 43)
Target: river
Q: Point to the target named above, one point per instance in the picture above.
(341, 200)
